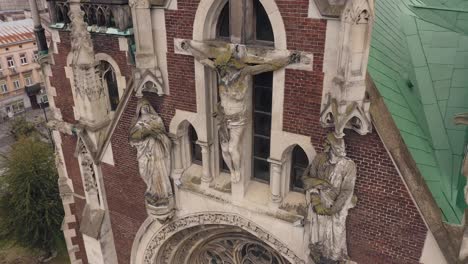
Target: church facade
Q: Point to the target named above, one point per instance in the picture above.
(216, 131)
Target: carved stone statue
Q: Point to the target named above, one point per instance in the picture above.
(153, 145)
(329, 184)
(462, 119)
(233, 70)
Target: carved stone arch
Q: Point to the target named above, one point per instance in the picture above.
(286, 161)
(181, 117)
(155, 242)
(208, 12)
(101, 16)
(121, 81)
(179, 128)
(149, 83)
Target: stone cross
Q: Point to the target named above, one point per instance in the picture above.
(235, 62)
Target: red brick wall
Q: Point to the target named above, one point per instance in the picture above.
(124, 188)
(64, 101)
(73, 170)
(385, 227)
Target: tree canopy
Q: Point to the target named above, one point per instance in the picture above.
(32, 202)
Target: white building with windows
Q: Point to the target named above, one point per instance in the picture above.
(18, 67)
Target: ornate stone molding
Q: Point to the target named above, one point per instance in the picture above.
(330, 8)
(61, 126)
(149, 3)
(149, 82)
(169, 230)
(357, 12)
(139, 3)
(345, 114)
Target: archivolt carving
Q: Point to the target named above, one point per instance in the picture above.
(179, 228)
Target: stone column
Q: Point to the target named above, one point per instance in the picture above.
(205, 149)
(177, 157)
(275, 180)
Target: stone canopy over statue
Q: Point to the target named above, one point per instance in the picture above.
(329, 184)
(234, 68)
(153, 145)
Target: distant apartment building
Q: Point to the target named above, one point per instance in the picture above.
(20, 76)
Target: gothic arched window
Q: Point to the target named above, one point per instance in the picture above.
(109, 80)
(101, 18)
(263, 29)
(299, 163)
(262, 107)
(195, 149)
(91, 15)
(222, 28)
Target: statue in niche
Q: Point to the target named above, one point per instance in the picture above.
(234, 70)
(329, 184)
(153, 145)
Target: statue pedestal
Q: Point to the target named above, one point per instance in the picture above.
(162, 213)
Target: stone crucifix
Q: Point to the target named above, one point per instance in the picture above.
(235, 63)
(234, 68)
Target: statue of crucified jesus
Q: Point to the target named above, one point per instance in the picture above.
(233, 70)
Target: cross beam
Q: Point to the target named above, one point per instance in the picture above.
(250, 54)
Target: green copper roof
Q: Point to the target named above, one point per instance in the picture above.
(419, 62)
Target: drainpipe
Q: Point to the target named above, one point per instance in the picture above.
(38, 29)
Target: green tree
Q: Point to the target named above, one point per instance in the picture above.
(21, 127)
(34, 210)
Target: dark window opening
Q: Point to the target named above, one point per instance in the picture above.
(194, 147)
(111, 20)
(299, 163)
(108, 75)
(66, 18)
(262, 102)
(91, 16)
(222, 28)
(263, 29)
(101, 19)
(59, 14)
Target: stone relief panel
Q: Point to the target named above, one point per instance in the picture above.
(255, 245)
(148, 135)
(218, 244)
(329, 184)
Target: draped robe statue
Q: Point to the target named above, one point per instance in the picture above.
(329, 184)
(153, 145)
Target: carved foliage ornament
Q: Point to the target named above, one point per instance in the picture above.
(87, 168)
(173, 228)
(357, 12)
(139, 3)
(341, 115)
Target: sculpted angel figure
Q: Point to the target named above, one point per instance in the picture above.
(153, 145)
(329, 184)
(234, 70)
